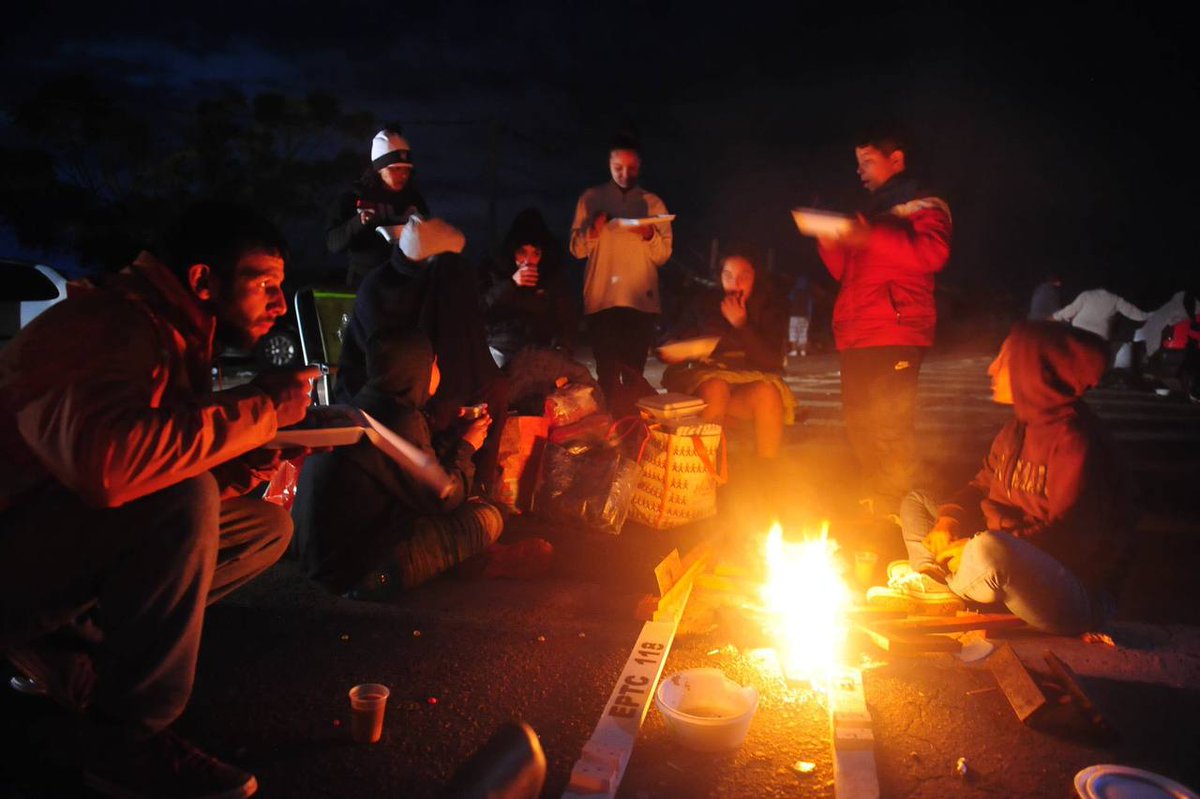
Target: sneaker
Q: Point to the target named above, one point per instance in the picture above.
(66, 676)
(915, 593)
(28, 686)
(900, 573)
(166, 766)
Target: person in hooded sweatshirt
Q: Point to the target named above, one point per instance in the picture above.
(429, 286)
(1045, 525)
(365, 526)
(527, 301)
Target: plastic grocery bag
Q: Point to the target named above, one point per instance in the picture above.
(593, 485)
(282, 488)
(570, 404)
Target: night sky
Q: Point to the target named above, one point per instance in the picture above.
(1058, 137)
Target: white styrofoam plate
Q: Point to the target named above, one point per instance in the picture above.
(688, 349)
(827, 224)
(648, 220)
(1110, 781)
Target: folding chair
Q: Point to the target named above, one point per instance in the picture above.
(321, 317)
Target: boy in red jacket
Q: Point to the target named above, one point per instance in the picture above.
(1044, 526)
(884, 318)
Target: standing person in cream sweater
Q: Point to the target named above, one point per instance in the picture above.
(620, 292)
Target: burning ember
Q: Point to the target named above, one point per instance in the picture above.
(805, 598)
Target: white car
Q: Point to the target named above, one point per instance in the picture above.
(26, 289)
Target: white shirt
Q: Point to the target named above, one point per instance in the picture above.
(1096, 309)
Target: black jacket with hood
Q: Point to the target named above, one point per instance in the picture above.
(518, 316)
(437, 295)
(1053, 475)
(351, 502)
(364, 246)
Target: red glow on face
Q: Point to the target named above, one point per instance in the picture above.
(249, 305)
(528, 255)
(625, 166)
(396, 176)
(875, 168)
(737, 275)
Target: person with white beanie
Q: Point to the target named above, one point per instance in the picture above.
(365, 219)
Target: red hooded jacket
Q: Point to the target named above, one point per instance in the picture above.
(1053, 475)
(886, 298)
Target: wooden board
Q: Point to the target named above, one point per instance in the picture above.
(1015, 681)
(672, 599)
(602, 763)
(1079, 696)
(668, 571)
(915, 635)
(950, 624)
(854, 772)
(905, 643)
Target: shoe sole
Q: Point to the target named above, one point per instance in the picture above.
(101, 785)
(915, 606)
(28, 686)
(44, 681)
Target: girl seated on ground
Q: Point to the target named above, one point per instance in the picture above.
(365, 526)
(742, 376)
(1045, 527)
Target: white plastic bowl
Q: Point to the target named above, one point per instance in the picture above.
(707, 711)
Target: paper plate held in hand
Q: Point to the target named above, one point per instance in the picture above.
(826, 224)
(648, 220)
(691, 349)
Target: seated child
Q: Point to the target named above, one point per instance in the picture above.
(1044, 526)
(367, 528)
(742, 378)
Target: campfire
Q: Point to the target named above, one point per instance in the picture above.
(805, 599)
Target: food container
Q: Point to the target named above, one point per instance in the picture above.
(706, 711)
(660, 407)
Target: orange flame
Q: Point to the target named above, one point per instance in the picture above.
(806, 598)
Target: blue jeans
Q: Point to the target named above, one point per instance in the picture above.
(1000, 568)
(146, 570)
